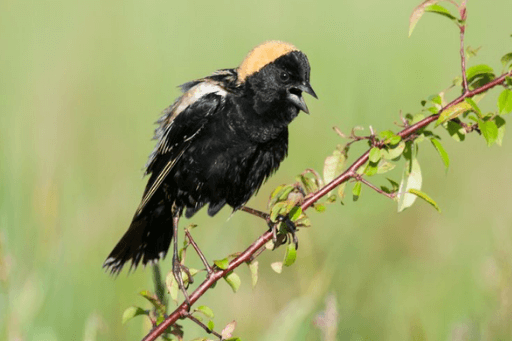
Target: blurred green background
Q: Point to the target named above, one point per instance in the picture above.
(82, 83)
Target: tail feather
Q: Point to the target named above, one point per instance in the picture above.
(148, 239)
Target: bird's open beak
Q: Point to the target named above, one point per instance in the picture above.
(295, 95)
(306, 87)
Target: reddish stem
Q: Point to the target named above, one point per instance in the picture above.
(246, 256)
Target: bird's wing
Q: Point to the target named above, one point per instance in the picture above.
(180, 123)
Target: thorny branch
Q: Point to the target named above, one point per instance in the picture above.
(351, 173)
(247, 255)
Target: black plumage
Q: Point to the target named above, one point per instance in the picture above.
(216, 145)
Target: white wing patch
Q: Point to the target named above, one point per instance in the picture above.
(195, 93)
(205, 87)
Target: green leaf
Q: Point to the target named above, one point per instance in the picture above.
(456, 131)
(374, 155)
(436, 99)
(419, 139)
(207, 311)
(277, 210)
(172, 287)
(133, 311)
(154, 301)
(489, 131)
(506, 60)
(418, 12)
(283, 194)
(453, 112)
(385, 166)
(211, 325)
(356, 191)
(395, 140)
(308, 183)
(411, 179)
(478, 76)
(279, 194)
(303, 222)
(500, 123)
(389, 137)
(413, 119)
(371, 169)
(478, 70)
(442, 152)
(233, 280)
(393, 153)
(290, 255)
(295, 213)
(184, 274)
(457, 81)
(333, 165)
(472, 52)
(475, 107)
(276, 191)
(425, 197)
(408, 152)
(386, 134)
(277, 267)
(394, 185)
(505, 101)
(440, 10)
(253, 268)
(222, 263)
(319, 207)
(341, 190)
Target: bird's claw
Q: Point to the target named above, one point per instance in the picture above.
(290, 227)
(177, 269)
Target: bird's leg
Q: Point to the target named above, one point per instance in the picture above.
(257, 213)
(289, 225)
(290, 228)
(176, 265)
(264, 216)
(199, 253)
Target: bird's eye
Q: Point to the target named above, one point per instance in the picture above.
(284, 76)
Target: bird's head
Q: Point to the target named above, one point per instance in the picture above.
(278, 74)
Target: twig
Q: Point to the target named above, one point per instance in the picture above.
(199, 252)
(372, 186)
(205, 327)
(462, 10)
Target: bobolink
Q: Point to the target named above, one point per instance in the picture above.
(217, 144)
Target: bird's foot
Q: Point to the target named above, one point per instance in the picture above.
(289, 227)
(177, 270)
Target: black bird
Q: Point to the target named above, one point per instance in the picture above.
(217, 144)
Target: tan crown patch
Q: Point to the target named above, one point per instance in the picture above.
(262, 55)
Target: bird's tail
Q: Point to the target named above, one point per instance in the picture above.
(148, 239)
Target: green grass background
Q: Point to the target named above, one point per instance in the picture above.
(81, 83)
